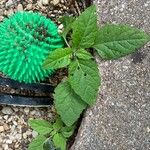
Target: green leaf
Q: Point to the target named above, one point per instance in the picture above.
(41, 126)
(83, 54)
(67, 131)
(85, 29)
(59, 141)
(67, 23)
(68, 104)
(66, 20)
(37, 144)
(114, 41)
(58, 124)
(48, 145)
(58, 59)
(84, 79)
(53, 133)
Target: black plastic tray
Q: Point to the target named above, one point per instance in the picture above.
(30, 101)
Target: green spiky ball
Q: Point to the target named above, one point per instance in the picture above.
(26, 39)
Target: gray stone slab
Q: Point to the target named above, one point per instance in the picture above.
(120, 120)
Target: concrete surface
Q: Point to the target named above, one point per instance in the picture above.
(120, 120)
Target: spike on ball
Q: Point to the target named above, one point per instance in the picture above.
(26, 39)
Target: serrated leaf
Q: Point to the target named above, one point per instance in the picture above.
(67, 103)
(59, 141)
(37, 144)
(83, 54)
(67, 23)
(114, 41)
(48, 145)
(41, 126)
(67, 131)
(85, 29)
(58, 59)
(84, 79)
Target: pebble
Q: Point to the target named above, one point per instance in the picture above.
(12, 91)
(1, 128)
(45, 2)
(10, 12)
(29, 6)
(60, 26)
(33, 112)
(9, 3)
(15, 109)
(19, 136)
(26, 110)
(19, 7)
(55, 2)
(16, 145)
(28, 133)
(8, 141)
(1, 12)
(34, 134)
(1, 18)
(39, 4)
(9, 120)
(148, 129)
(5, 146)
(7, 111)
(24, 135)
(1, 141)
(15, 123)
(6, 127)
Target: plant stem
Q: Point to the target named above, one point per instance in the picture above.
(67, 42)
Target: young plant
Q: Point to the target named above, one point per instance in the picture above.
(51, 136)
(110, 41)
(26, 39)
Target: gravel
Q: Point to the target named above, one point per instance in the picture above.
(14, 130)
(55, 2)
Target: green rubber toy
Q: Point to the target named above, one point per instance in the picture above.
(26, 39)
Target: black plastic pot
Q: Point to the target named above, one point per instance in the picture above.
(30, 101)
